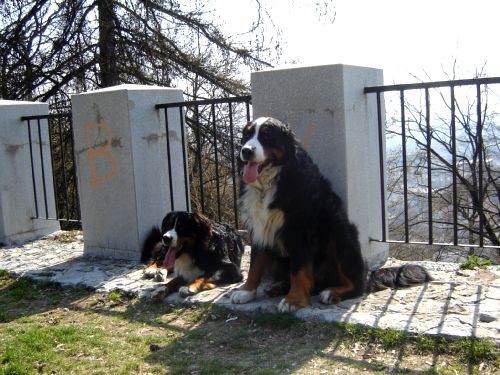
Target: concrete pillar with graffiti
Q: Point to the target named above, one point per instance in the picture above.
(121, 157)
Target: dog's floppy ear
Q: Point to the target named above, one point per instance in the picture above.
(290, 143)
(203, 225)
(166, 220)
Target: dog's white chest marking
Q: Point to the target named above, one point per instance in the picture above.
(184, 267)
(262, 222)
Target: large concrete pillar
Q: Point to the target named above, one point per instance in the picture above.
(122, 164)
(18, 211)
(337, 123)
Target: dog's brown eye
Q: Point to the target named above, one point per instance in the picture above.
(264, 131)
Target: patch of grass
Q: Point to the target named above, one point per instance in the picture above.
(119, 297)
(278, 321)
(473, 261)
(476, 350)
(391, 339)
(22, 297)
(38, 347)
(4, 275)
(25, 288)
(183, 366)
(266, 371)
(202, 313)
(115, 296)
(353, 332)
(4, 317)
(428, 344)
(22, 288)
(470, 351)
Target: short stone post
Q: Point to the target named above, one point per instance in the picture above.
(18, 222)
(121, 156)
(337, 123)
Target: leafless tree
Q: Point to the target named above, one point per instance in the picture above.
(48, 47)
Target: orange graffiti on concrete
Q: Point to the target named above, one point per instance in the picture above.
(307, 137)
(96, 150)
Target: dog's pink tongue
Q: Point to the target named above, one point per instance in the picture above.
(169, 260)
(250, 172)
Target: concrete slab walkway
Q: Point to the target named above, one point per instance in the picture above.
(458, 303)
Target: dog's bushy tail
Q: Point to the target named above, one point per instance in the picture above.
(397, 277)
(154, 237)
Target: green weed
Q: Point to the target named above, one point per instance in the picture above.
(473, 261)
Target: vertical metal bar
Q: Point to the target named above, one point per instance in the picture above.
(381, 135)
(198, 156)
(63, 166)
(77, 198)
(454, 167)
(480, 164)
(233, 166)
(169, 161)
(43, 169)
(248, 110)
(217, 177)
(405, 174)
(54, 181)
(32, 169)
(429, 164)
(184, 159)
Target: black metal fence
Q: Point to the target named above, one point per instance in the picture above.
(442, 160)
(441, 155)
(213, 128)
(60, 136)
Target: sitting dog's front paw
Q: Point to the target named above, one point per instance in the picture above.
(159, 293)
(186, 291)
(286, 307)
(329, 297)
(161, 275)
(243, 296)
(149, 273)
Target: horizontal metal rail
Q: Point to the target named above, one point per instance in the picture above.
(432, 85)
(467, 245)
(233, 99)
(50, 116)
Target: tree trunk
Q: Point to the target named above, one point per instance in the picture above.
(107, 43)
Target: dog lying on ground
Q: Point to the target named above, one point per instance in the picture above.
(298, 226)
(201, 253)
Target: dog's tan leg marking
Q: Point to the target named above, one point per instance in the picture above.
(301, 285)
(334, 294)
(199, 284)
(249, 290)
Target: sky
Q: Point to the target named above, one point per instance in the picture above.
(409, 40)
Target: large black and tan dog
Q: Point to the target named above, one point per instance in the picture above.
(298, 226)
(201, 253)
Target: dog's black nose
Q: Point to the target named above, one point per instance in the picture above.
(167, 239)
(247, 152)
